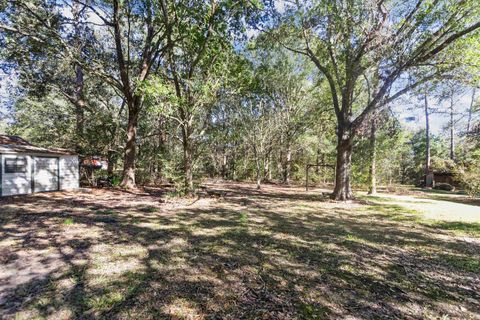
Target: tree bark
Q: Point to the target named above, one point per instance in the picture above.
(233, 161)
(452, 131)
(162, 147)
(257, 167)
(373, 165)
(224, 164)
(259, 176)
(427, 137)
(128, 180)
(78, 96)
(266, 169)
(133, 99)
(79, 104)
(342, 191)
(187, 160)
(288, 165)
(470, 111)
(111, 157)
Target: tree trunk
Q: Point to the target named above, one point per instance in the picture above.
(187, 160)
(470, 111)
(233, 161)
(268, 173)
(257, 167)
(373, 170)
(324, 170)
(403, 169)
(452, 131)
(427, 137)
(342, 191)
(224, 164)
(128, 180)
(79, 106)
(111, 157)
(287, 169)
(259, 176)
(79, 97)
(162, 141)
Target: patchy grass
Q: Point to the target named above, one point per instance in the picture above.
(68, 221)
(277, 253)
(469, 264)
(243, 218)
(460, 228)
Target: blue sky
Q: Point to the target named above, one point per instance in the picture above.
(410, 106)
(7, 82)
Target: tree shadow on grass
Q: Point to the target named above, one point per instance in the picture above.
(269, 258)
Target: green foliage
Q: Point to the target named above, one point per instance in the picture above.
(116, 181)
(469, 177)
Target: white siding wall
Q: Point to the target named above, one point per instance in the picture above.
(16, 183)
(45, 173)
(69, 178)
(21, 183)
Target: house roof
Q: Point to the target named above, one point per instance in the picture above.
(7, 139)
(15, 144)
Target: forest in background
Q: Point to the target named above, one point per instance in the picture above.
(176, 91)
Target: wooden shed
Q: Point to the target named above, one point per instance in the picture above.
(25, 168)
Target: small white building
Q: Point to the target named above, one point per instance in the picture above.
(25, 168)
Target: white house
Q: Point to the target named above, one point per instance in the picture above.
(25, 168)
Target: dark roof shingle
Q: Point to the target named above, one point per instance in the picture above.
(7, 139)
(18, 145)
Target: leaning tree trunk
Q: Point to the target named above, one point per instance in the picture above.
(128, 180)
(373, 165)
(343, 191)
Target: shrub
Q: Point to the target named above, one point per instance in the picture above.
(442, 165)
(469, 178)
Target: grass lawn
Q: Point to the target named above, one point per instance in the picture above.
(278, 253)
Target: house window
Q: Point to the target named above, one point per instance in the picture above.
(16, 165)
